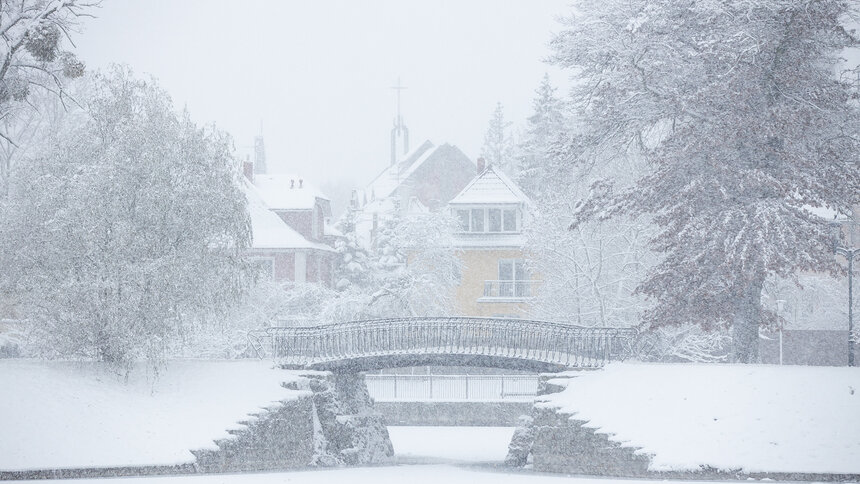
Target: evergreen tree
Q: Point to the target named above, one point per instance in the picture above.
(411, 269)
(537, 166)
(352, 269)
(498, 143)
(736, 108)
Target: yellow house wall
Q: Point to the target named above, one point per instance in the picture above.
(481, 265)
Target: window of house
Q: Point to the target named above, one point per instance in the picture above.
(510, 218)
(463, 218)
(494, 216)
(512, 270)
(477, 220)
(486, 220)
(265, 267)
(513, 278)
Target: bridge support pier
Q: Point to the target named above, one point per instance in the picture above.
(348, 430)
(555, 442)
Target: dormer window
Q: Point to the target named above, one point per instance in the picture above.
(495, 217)
(481, 220)
(509, 217)
(463, 219)
(477, 220)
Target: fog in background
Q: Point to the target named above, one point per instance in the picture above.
(317, 74)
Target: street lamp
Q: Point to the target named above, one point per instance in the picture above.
(849, 254)
(780, 305)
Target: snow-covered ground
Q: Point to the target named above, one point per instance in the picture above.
(750, 417)
(74, 415)
(411, 474)
(453, 444)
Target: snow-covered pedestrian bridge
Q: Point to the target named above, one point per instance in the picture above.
(445, 341)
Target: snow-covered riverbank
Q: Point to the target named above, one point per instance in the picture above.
(755, 418)
(56, 414)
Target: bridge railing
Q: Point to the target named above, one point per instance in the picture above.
(510, 289)
(546, 342)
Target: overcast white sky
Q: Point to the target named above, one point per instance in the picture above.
(318, 73)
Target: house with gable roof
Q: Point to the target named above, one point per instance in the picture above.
(425, 178)
(492, 211)
(292, 239)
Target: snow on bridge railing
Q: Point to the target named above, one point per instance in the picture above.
(538, 341)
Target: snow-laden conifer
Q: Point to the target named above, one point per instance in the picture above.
(739, 110)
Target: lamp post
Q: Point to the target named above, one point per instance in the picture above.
(849, 255)
(780, 304)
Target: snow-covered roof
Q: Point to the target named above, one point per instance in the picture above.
(391, 177)
(269, 230)
(491, 186)
(330, 229)
(277, 195)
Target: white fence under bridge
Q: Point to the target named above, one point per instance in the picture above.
(452, 388)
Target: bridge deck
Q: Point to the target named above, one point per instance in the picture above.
(388, 343)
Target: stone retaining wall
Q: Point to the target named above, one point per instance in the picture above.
(334, 424)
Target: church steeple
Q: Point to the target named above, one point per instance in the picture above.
(259, 153)
(399, 133)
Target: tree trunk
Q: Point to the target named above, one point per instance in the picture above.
(745, 324)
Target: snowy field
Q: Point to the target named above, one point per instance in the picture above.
(74, 415)
(750, 417)
(450, 444)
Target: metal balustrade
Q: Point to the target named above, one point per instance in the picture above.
(452, 388)
(484, 339)
(510, 289)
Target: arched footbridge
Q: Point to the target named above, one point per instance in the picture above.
(450, 341)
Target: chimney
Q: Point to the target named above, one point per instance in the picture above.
(248, 168)
(292, 184)
(482, 164)
(259, 156)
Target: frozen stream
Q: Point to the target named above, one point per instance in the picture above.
(427, 445)
(425, 455)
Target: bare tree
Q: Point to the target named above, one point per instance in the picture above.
(33, 59)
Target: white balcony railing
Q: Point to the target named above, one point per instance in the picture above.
(522, 388)
(509, 289)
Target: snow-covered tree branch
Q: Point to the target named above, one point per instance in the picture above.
(738, 112)
(127, 229)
